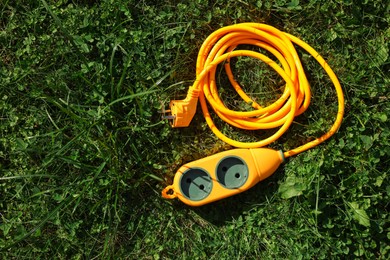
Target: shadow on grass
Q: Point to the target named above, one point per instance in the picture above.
(228, 209)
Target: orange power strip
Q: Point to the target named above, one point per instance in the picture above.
(231, 172)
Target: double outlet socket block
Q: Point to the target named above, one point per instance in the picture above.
(224, 174)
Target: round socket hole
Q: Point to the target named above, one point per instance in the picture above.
(195, 184)
(232, 172)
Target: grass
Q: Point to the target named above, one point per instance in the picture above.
(84, 155)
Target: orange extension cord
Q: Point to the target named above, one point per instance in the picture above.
(220, 47)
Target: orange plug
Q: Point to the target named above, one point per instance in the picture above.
(182, 111)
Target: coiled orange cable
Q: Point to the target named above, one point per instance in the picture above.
(220, 47)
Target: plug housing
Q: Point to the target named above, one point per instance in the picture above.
(182, 111)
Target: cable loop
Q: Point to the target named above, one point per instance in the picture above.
(221, 46)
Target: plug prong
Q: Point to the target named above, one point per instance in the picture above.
(168, 117)
(163, 111)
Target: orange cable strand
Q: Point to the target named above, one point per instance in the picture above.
(220, 47)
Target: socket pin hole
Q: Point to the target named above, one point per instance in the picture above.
(201, 187)
(237, 175)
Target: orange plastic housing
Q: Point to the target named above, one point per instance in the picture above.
(222, 175)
